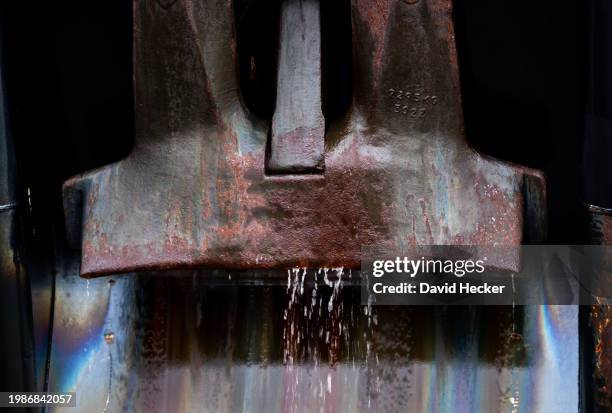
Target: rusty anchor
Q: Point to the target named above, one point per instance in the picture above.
(208, 184)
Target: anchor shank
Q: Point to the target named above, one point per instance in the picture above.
(298, 125)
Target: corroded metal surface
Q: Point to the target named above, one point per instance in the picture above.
(601, 322)
(146, 343)
(600, 221)
(298, 127)
(600, 225)
(194, 191)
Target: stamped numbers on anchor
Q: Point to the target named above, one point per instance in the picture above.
(414, 102)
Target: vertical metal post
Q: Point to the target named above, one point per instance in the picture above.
(298, 126)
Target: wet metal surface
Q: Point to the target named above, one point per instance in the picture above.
(147, 343)
(194, 191)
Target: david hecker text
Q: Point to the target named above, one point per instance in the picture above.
(429, 288)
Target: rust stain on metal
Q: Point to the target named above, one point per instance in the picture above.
(601, 315)
(194, 192)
